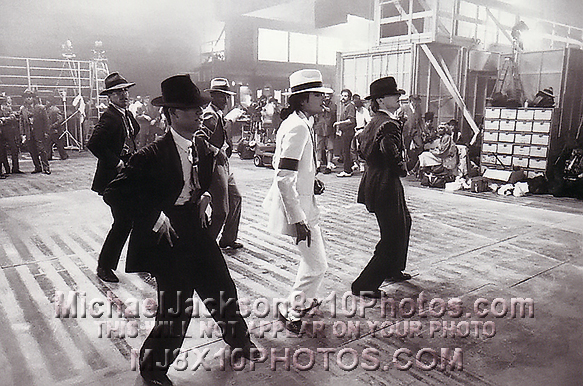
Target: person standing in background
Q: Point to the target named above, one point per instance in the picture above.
(10, 131)
(226, 199)
(362, 119)
(345, 129)
(34, 123)
(55, 131)
(324, 129)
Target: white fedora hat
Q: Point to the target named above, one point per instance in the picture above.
(307, 81)
(220, 85)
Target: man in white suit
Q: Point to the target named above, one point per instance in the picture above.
(291, 202)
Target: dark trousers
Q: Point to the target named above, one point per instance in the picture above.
(12, 141)
(37, 150)
(3, 156)
(115, 240)
(354, 145)
(195, 263)
(390, 255)
(226, 205)
(59, 142)
(346, 139)
(143, 136)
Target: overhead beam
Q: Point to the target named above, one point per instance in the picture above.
(452, 90)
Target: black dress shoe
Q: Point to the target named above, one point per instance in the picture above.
(372, 294)
(294, 326)
(233, 245)
(401, 276)
(106, 274)
(156, 378)
(47, 171)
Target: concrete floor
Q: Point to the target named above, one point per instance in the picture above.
(463, 246)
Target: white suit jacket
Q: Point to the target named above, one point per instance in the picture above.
(290, 198)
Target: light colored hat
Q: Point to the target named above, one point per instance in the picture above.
(220, 85)
(307, 81)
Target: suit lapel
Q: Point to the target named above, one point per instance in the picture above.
(174, 167)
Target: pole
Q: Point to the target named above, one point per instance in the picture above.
(66, 119)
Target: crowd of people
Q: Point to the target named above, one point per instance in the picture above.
(36, 127)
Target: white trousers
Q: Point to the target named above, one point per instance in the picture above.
(312, 267)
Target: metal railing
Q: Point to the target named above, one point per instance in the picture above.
(66, 79)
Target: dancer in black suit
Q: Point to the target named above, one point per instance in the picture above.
(381, 189)
(164, 189)
(113, 141)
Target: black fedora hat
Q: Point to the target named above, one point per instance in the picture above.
(384, 86)
(180, 92)
(114, 82)
(548, 92)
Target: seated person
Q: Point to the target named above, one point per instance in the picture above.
(428, 132)
(462, 148)
(441, 152)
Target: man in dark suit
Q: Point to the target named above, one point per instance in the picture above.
(226, 199)
(56, 130)
(381, 190)
(165, 189)
(113, 141)
(10, 130)
(34, 123)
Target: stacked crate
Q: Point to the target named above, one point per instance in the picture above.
(517, 138)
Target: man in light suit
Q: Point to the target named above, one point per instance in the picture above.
(164, 189)
(113, 141)
(290, 201)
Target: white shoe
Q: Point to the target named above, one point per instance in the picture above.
(344, 174)
(355, 167)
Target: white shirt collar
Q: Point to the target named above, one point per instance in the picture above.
(123, 111)
(180, 141)
(309, 121)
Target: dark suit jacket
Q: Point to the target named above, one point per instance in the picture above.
(382, 148)
(106, 143)
(151, 183)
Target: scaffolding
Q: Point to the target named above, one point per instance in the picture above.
(76, 83)
(451, 52)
